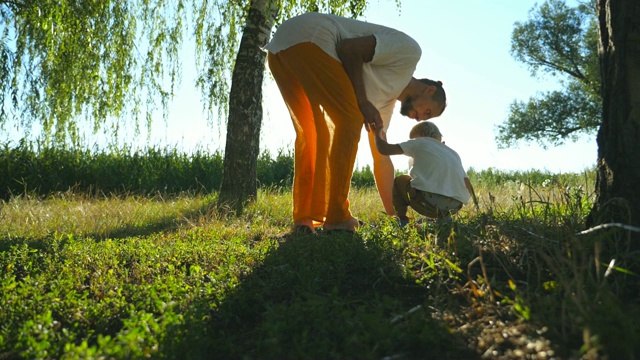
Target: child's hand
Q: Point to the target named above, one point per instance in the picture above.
(383, 146)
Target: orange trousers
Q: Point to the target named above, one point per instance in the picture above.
(328, 124)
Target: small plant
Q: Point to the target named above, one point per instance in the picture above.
(518, 303)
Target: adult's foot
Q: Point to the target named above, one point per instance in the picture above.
(350, 225)
(303, 230)
(304, 226)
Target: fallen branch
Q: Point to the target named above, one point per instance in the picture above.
(609, 226)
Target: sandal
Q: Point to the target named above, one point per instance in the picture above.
(303, 230)
(358, 223)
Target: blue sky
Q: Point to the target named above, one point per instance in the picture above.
(465, 44)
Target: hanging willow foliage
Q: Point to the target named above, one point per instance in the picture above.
(68, 64)
(64, 62)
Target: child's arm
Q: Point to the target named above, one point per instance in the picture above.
(383, 146)
(467, 183)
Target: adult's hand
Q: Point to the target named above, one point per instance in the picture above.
(372, 118)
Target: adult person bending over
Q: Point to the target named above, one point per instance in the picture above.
(336, 74)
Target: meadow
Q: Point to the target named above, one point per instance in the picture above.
(125, 255)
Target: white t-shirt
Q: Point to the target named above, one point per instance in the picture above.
(385, 76)
(436, 168)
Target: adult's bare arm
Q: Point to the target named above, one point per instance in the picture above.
(353, 54)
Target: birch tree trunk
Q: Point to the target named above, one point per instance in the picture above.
(239, 181)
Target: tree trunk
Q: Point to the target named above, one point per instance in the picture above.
(618, 166)
(239, 180)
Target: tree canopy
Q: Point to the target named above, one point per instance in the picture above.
(63, 62)
(561, 42)
(103, 63)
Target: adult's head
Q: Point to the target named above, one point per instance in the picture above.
(427, 101)
(425, 129)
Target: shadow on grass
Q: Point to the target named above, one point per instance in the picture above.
(319, 297)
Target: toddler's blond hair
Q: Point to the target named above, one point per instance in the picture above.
(425, 129)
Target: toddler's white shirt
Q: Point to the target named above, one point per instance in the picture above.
(436, 168)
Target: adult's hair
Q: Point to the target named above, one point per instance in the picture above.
(440, 96)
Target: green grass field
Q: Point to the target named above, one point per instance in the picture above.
(168, 275)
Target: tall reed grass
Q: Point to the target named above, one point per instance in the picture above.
(30, 168)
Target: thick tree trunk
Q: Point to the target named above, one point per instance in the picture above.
(239, 180)
(618, 167)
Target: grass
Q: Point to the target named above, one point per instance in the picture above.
(131, 276)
